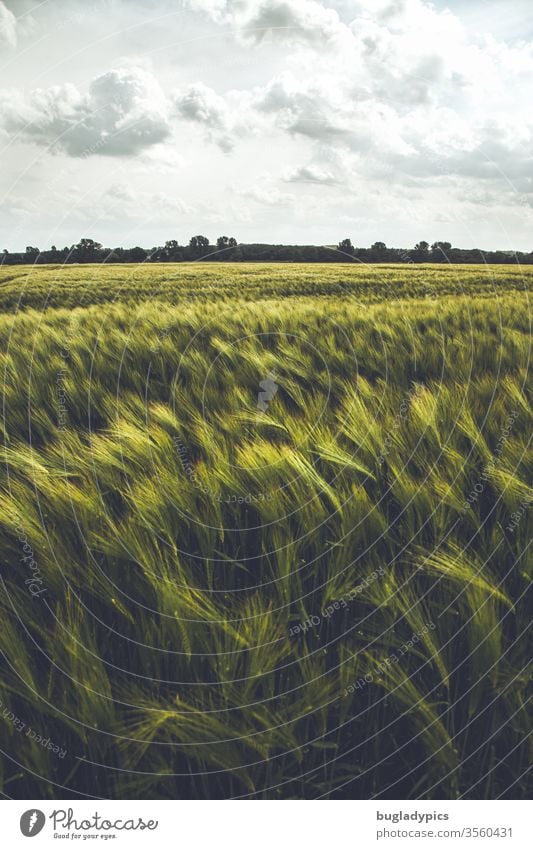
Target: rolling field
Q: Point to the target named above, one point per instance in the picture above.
(41, 287)
(264, 531)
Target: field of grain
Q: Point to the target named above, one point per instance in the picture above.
(264, 531)
(42, 287)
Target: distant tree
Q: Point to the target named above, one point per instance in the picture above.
(378, 252)
(440, 251)
(87, 250)
(420, 252)
(311, 254)
(224, 242)
(345, 245)
(157, 254)
(170, 249)
(53, 255)
(115, 256)
(138, 254)
(199, 242)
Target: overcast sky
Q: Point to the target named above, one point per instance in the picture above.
(291, 121)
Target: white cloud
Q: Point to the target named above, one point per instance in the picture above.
(311, 174)
(374, 101)
(8, 27)
(408, 93)
(284, 20)
(162, 159)
(403, 87)
(121, 201)
(121, 192)
(290, 20)
(124, 112)
(267, 194)
(201, 105)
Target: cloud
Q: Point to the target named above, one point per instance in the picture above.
(403, 87)
(303, 105)
(406, 93)
(267, 194)
(8, 27)
(311, 174)
(122, 201)
(161, 159)
(290, 20)
(283, 20)
(121, 192)
(201, 105)
(123, 113)
(372, 101)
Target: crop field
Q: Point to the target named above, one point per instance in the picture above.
(264, 531)
(41, 287)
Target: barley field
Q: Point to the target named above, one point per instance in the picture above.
(264, 531)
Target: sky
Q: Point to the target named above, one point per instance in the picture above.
(280, 121)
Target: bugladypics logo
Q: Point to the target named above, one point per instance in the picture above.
(32, 822)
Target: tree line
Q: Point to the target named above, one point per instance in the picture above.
(227, 249)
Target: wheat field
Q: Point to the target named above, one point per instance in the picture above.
(264, 531)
